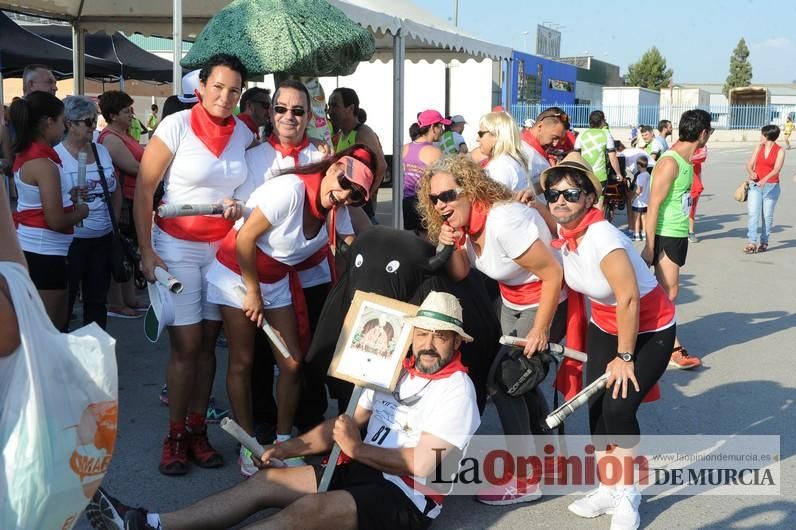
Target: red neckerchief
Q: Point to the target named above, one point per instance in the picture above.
(477, 221)
(569, 237)
(312, 197)
(531, 140)
(484, 162)
(249, 121)
(289, 150)
(449, 369)
(34, 151)
(214, 136)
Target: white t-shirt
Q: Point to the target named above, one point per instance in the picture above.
(511, 228)
(281, 200)
(98, 222)
(447, 410)
(195, 175)
(642, 183)
(263, 161)
(508, 172)
(582, 270)
(631, 156)
(537, 163)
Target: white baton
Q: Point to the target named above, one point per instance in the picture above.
(269, 331)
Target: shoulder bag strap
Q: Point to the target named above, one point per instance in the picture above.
(105, 192)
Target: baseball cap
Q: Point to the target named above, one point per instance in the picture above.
(430, 117)
(160, 313)
(190, 84)
(358, 173)
(458, 119)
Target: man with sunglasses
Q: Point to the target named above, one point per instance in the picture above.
(549, 127)
(432, 413)
(255, 110)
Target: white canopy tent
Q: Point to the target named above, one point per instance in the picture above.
(402, 31)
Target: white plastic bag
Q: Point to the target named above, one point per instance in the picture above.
(58, 415)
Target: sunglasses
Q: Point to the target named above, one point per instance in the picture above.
(570, 195)
(357, 196)
(482, 133)
(446, 196)
(88, 122)
(560, 115)
(297, 111)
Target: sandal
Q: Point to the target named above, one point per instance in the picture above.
(762, 247)
(750, 248)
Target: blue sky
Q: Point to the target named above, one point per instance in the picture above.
(696, 37)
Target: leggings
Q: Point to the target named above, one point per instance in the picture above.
(523, 415)
(89, 266)
(617, 417)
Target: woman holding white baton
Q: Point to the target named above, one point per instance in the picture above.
(632, 327)
(200, 154)
(283, 248)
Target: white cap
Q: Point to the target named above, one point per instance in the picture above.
(160, 313)
(190, 83)
(528, 123)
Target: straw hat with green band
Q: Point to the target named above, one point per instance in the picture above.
(440, 312)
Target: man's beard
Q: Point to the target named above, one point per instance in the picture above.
(438, 365)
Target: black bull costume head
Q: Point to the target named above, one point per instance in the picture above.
(400, 265)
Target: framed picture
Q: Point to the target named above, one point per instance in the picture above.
(373, 342)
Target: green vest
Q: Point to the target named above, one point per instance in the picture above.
(592, 148)
(673, 215)
(346, 140)
(447, 144)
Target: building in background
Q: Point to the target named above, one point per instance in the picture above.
(540, 81)
(592, 75)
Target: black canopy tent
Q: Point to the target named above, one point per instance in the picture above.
(132, 61)
(20, 47)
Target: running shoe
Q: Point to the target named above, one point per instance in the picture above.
(164, 395)
(201, 452)
(625, 516)
(215, 414)
(126, 312)
(137, 520)
(515, 492)
(692, 238)
(597, 502)
(247, 467)
(680, 359)
(293, 461)
(107, 513)
(174, 458)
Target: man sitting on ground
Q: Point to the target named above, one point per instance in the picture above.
(433, 406)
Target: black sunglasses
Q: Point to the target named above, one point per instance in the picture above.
(446, 196)
(88, 122)
(357, 196)
(570, 195)
(482, 133)
(297, 111)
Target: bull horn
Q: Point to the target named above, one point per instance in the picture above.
(438, 260)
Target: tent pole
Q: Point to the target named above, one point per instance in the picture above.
(78, 58)
(398, 56)
(177, 36)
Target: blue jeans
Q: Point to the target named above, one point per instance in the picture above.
(761, 202)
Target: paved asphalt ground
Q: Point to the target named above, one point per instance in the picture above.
(735, 311)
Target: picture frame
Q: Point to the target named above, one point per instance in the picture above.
(373, 342)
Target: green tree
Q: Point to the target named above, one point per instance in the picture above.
(740, 68)
(650, 71)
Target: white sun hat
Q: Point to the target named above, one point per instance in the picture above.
(440, 311)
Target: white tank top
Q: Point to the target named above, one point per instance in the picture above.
(41, 240)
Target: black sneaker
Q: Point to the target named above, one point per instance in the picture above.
(136, 520)
(107, 513)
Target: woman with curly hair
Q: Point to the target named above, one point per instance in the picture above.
(510, 243)
(499, 139)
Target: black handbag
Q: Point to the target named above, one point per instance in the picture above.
(516, 374)
(123, 254)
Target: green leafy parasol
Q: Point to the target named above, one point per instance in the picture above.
(298, 37)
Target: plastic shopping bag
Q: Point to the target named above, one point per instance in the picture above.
(58, 415)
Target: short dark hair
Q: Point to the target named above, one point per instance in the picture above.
(554, 112)
(642, 161)
(154, 107)
(27, 114)
(663, 124)
(576, 176)
(771, 132)
(223, 59)
(112, 102)
(596, 119)
(252, 92)
(349, 97)
(295, 85)
(645, 129)
(692, 123)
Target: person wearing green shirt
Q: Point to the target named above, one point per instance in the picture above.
(667, 213)
(152, 121)
(594, 144)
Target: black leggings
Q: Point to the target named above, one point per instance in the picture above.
(609, 416)
(89, 267)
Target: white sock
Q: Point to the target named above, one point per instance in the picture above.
(153, 520)
(282, 438)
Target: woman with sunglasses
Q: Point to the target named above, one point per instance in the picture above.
(630, 335)
(89, 254)
(284, 246)
(510, 243)
(499, 139)
(200, 155)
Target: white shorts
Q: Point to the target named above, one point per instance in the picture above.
(188, 261)
(222, 281)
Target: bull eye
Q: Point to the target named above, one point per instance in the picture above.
(358, 260)
(392, 266)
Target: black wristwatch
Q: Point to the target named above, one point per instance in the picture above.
(626, 356)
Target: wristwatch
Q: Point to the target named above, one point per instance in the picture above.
(626, 356)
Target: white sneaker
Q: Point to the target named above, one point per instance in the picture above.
(597, 502)
(247, 467)
(626, 515)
